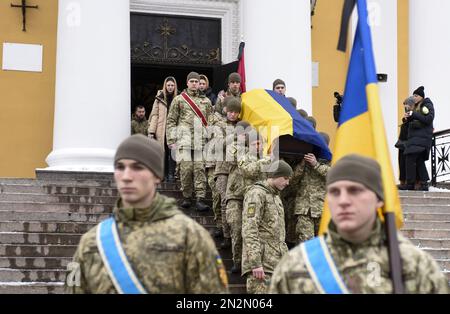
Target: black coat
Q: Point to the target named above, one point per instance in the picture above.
(209, 93)
(420, 129)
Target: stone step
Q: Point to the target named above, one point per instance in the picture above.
(39, 238)
(44, 198)
(424, 224)
(438, 253)
(404, 194)
(45, 227)
(59, 263)
(31, 288)
(424, 233)
(45, 207)
(426, 200)
(435, 243)
(46, 216)
(426, 209)
(429, 216)
(14, 250)
(31, 275)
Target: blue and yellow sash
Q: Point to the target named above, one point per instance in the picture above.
(116, 262)
(321, 267)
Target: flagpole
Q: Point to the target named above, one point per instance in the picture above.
(395, 261)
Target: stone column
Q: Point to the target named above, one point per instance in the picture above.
(92, 101)
(278, 45)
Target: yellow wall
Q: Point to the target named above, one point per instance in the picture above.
(332, 63)
(403, 55)
(27, 98)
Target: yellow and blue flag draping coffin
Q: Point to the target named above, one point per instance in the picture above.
(274, 116)
(361, 127)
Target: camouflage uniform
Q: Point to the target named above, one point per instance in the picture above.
(139, 126)
(363, 267)
(263, 233)
(169, 252)
(288, 197)
(248, 170)
(219, 103)
(309, 201)
(185, 130)
(223, 165)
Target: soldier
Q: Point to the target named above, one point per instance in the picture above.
(234, 89)
(148, 245)
(139, 123)
(187, 122)
(356, 241)
(222, 170)
(310, 196)
(279, 87)
(263, 233)
(249, 169)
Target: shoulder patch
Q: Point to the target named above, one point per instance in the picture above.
(251, 210)
(425, 110)
(221, 270)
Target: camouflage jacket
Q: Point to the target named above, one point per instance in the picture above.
(363, 267)
(263, 233)
(248, 171)
(213, 143)
(184, 127)
(311, 195)
(219, 103)
(139, 127)
(169, 252)
(225, 140)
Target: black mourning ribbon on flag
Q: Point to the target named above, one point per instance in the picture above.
(346, 13)
(241, 49)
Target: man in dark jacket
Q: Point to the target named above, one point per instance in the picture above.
(418, 145)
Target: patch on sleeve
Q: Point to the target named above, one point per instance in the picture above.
(251, 210)
(221, 269)
(425, 110)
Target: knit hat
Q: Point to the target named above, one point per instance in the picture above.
(293, 101)
(193, 75)
(359, 169)
(278, 82)
(409, 101)
(280, 169)
(303, 113)
(234, 77)
(312, 120)
(144, 150)
(233, 104)
(420, 91)
(205, 78)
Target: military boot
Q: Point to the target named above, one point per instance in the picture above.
(186, 204)
(218, 233)
(406, 187)
(201, 206)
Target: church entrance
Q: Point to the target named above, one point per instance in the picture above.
(163, 46)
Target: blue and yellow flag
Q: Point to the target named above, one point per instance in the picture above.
(361, 127)
(273, 115)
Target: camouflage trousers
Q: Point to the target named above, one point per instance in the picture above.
(307, 227)
(258, 286)
(192, 174)
(215, 198)
(234, 220)
(221, 186)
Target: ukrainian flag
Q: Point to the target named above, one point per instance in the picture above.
(273, 115)
(361, 127)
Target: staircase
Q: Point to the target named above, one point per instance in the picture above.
(42, 220)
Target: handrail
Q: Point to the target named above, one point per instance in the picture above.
(440, 163)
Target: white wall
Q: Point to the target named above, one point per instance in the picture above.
(278, 45)
(429, 47)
